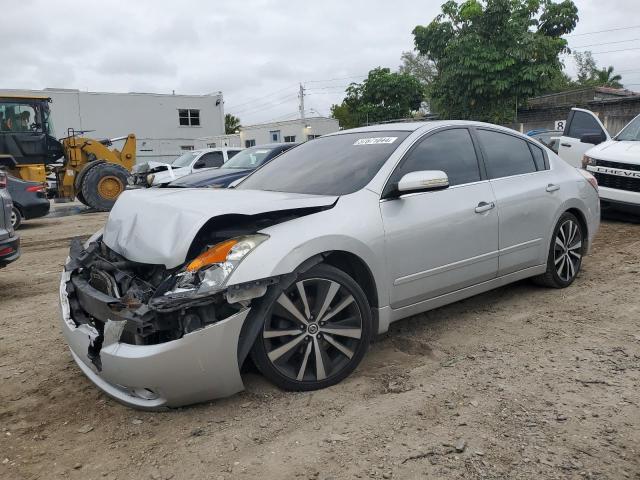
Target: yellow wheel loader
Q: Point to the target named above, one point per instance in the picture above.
(83, 167)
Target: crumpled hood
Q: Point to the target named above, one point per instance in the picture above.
(617, 151)
(157, 226)
(147, 166)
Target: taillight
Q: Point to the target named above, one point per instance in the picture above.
(35, 188)
(589, 178)
(3, 180)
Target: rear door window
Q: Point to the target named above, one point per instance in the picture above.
(505, 155)
(538, 157)
(211, 159)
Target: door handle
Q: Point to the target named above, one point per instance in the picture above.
(484, 207)
(552, 188)
(568, 145)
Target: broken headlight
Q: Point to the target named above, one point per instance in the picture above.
(208, 272)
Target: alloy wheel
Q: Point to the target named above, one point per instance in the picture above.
(568, 250)
(14, 218)
(314, 330)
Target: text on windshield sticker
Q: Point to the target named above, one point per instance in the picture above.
(375, 140)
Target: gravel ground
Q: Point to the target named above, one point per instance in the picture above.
(521, 382)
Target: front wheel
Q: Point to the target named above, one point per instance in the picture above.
(316, 332)
(565, 253)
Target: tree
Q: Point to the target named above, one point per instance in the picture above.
(491, 55)
(417, 65)
(383, 95)
(606, 78)
(231, 123)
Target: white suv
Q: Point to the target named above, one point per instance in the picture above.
(189, 162)
(614, 161)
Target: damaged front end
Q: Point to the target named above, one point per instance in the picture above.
(139, 331)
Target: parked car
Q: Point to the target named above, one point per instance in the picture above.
(238, 168)
(159, 173)
(582, 131)
(29, 200)
(616, 165)
(9, 241)
(549, 138)
(314, 253)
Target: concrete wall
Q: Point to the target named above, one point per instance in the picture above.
(152, 117)
(614, 113)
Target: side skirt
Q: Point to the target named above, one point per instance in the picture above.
(388, 315)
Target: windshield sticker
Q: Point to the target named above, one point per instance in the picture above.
(375, 140)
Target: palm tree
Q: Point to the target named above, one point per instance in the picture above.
(231, 123)
(606, 78)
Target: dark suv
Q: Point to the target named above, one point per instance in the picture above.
(9, 241)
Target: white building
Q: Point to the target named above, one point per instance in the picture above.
(298, 130)
(164, 124)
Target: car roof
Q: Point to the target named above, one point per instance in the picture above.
(213, 149)
(425, 126)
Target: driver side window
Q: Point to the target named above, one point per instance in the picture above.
(583, 124)
(451, 151)
(211, 159)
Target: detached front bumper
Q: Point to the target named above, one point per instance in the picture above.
(200, 366)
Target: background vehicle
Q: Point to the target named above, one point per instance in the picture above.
(9, 241)
(241, 165)
(29, 200)
(549, 138)
(582, 131)
(313, 253)
(90, 171)
(616, 165)
(157, 173)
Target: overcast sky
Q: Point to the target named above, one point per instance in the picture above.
(255, 51)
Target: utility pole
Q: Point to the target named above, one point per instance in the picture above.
(301, 97)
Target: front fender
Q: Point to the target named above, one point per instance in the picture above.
(337, 229)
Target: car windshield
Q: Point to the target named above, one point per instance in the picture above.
(631, 132)
(249, 158)
(332, 165)
(183, 160)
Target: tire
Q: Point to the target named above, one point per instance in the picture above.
(16, 218)
(77, 183)
(300, 357)
(102, 185)
(564, 261)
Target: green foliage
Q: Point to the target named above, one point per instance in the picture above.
(231, 123)
(383, 95)
(589, 75)
(492, 55)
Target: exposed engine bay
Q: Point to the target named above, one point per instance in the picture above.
(152, 304)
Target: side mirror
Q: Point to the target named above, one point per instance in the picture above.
(199, 164)
(423, 181)
(592, 138)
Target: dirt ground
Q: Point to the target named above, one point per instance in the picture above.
(521, 382)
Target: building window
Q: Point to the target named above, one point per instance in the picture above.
(274, 135)
(211, 145)
(290, 138)
(311, 137)
(189, 117)
(249, 143)
(186, 147)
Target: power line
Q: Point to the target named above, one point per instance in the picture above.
(263, 103)
(602, 31)
(267, 106)
(336, 79)
(261, 98)
(608, 43)
(620, 50)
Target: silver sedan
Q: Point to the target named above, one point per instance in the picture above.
(314, 253)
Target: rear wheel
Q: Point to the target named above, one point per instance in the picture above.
(16, 218)
(316, 332)
(565, 253)
(103, 184)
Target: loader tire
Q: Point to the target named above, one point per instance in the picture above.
(103, 184)
(77, 183)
